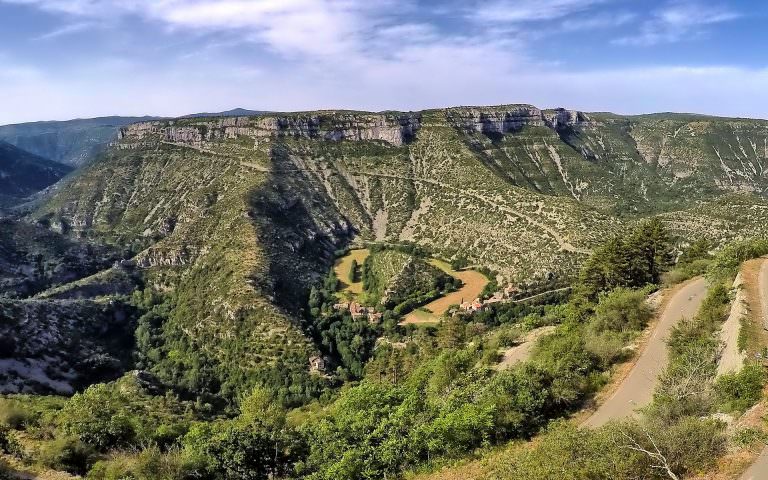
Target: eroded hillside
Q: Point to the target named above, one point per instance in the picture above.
(232, 219)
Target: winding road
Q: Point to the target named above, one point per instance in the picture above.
(637, 389)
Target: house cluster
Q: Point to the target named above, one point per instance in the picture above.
(507, 293)
(316, 364)
(359, 311)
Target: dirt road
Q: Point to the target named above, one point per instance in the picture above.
(759, 469)
(521, 352)
(731, 360)
(637, 389)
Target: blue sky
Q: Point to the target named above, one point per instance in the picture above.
(63, 59)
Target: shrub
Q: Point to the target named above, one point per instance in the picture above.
(149, 464)
(727, 260)
(737, 392)
(621, 310)
(5, 471)
(96, 418)
(607, 346)
(13, 415)
(234, 450)
(68, 454)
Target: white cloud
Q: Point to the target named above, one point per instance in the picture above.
(293, 27)
(679, 20)
(355, 54)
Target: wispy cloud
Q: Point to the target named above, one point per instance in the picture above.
(516, 11)
(679, 20)
(69, 29)
(316, 27)
(363, 54)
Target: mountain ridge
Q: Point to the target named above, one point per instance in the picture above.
(23, 173)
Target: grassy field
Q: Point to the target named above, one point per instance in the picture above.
(474, 282)
(341, 269)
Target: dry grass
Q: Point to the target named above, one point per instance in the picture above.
(342, 266)
(474, 283)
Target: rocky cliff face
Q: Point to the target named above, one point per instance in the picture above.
(395, 129)
(512, 118)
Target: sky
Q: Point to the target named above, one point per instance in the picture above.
(62, 59)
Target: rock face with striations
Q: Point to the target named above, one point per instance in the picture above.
(512, 118)
(395, 129)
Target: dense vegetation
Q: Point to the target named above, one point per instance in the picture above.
(424, 395)
(248, 370)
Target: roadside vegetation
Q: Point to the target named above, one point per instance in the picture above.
(679, 434)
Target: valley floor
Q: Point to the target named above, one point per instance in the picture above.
(473, 284)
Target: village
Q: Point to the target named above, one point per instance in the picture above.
(358, 311)
(508, 293)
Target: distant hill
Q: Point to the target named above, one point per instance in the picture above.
(23, 173)
(71, 142)
(235, 112)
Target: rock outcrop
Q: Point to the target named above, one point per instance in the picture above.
(511, 118)
(395, 129)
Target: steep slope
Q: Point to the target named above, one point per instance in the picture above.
(672, 160)
(34, 258)
(71, 142)
(60, 346)
(22, 173)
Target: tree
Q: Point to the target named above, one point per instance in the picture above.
(633, 260)
(256, 445)
(97, 417)
(451, 333)
(353, 271)
(621, 310)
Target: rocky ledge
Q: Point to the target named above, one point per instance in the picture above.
(510, 118)
(395, 129)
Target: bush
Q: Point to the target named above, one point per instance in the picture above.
(13, 415)
(566, 452)
(234, 450)
(607, 346)
(726, 262)
(8, 442)
(737, 392)
(5, 471)
(621, 310)
(149, 464)
(68, 454)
